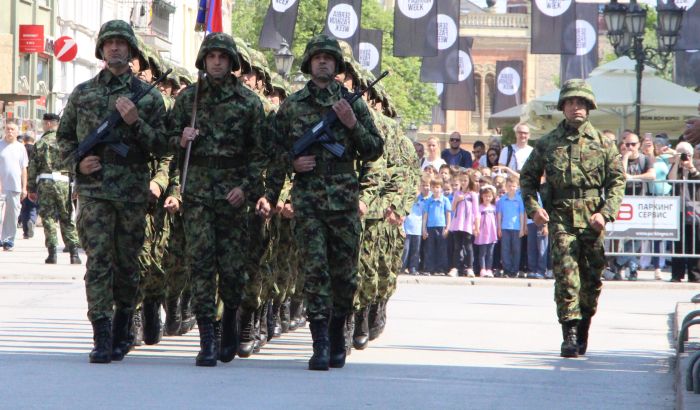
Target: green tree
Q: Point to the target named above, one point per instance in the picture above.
(413, 99)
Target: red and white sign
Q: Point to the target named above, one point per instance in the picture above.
(65, 49)
(31, 38)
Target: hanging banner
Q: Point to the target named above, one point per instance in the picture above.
(552, 22)
(370, 54)
(279, 24)
(343, 21)
(438, 115)
(444, 67)
(586, 39)
(685, 68)
(462, 96)
(689, 36)
(509, 82)
(415, 28)
(31, 38)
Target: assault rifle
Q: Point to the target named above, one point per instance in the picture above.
(103, 133)
(322, 133)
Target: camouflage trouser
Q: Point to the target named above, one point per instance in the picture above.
(54, 204)
(217, 244)
(257, 287)
(387, 279)
(111, 233)
(371, 246)
(175, 263)
(157, 231)
(283, 258)
(329, 245)
(578, 259)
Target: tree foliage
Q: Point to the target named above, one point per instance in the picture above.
(412, 98)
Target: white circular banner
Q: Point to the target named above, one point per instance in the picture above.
(342, 21)
(508, 81)
(465, 66)
(585, 37)
(688, 4)
(446, 31)
(415, 9)
(369, 56)
(281, 6)
(553, 8)
(439, 87)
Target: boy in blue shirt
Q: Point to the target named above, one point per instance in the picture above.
(510, 222)
(413, 227)
(437, 212)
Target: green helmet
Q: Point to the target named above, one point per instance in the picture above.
(116, 28)
(326, 44)
(243, 55)
(172, 77)
(259, 62)
(576, 87)
(156, 65)
(218, 41)
(279, 84)
(142, 56)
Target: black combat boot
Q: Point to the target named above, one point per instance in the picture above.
(569, 347)
(374, 319)
(74, 257)
(336, 335)
(294, 315)
(301, 318)
(137, 328)
(208, 352)
(349, 331)
(102, 338)
(360, 337)
(52, 259)
(229, 335)
(274, 321)
(173, 317)
(284, 317)
(264, 333)
(188, 318)
(121, 338)
(582, 335)
(320, 360)
(247, 340)
(152, 326)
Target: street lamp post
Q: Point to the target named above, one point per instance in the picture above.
(626, 26)
(284, 59)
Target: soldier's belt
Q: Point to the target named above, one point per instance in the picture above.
(217, 162)
(134, 157)
(332, 168)
(575, 193)
(54, 176)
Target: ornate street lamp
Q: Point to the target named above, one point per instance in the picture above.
(284, 59)
(626, 26)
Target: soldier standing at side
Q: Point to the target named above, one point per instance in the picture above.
(586, 184)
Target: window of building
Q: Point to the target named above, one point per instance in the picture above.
(23, 74)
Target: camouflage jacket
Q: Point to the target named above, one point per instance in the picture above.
(333, 184)
(230, 119)
(89, 104)
(46, 159)
(405, 176)
(584, 173)
(374, 175)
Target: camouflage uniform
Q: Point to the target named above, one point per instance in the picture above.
(585, 176)
(325, 201)
(53, 193)
(227, 154)
(113, 200)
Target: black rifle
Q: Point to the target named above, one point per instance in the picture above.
(322, 133)
(103, 133)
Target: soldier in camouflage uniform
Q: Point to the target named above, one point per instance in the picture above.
(586, 184)
(47, 182)
(325, 196)
(113, 190)
(224, 170)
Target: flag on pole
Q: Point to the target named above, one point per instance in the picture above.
(214, 24)
(343, 21)
(370, 54)
(415, 28)
(462, 96)
(279, 24)
(509, 85)
(586, 39)
(201, 16)
(552, 22)
(444, 67)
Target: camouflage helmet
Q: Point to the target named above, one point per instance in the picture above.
(259, 62)
(243, 55)
(116, 28)
(156, 65)
(279, 84)
(576, 87)
(326, 44)
(141, 54)
(218, 41)
(173, 78)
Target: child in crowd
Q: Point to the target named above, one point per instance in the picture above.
(430, 170)
(510, 217)
(464, 226)
(486, 238)
(413, 226)
(444, 171)
(437, 212)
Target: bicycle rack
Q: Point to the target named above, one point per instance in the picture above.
(690, 316)
(683, 335)
(692, 374)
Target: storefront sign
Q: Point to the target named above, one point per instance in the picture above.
(31, 38)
